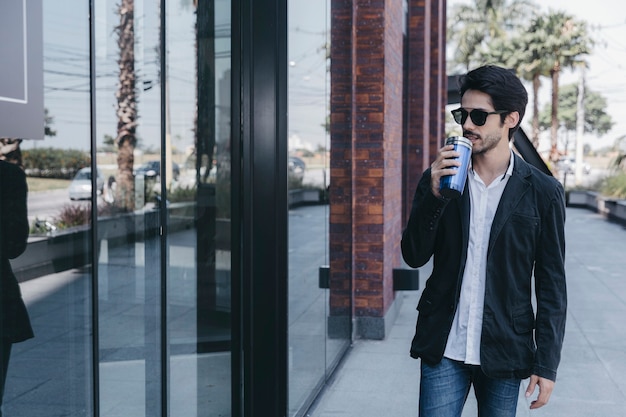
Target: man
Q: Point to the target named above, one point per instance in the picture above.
(14, 324)
(476, 323)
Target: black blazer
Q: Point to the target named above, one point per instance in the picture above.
(14, 324)
(527, 238)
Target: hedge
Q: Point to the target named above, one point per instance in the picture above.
(54, 163)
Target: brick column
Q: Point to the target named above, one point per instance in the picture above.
(366, 161)
(341, 190)
(438, 78)
(426, 91)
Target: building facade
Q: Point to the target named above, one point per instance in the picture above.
(196, 278)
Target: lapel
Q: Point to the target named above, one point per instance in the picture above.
(464, 213)
(514, 192)
(462, 207)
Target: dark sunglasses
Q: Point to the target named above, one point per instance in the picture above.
(479, 117)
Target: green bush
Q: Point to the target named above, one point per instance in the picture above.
(69, 216)
(614, 186)
(73, 215)
(182, 194)
(54, 163)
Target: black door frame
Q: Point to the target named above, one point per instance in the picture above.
(260, 260)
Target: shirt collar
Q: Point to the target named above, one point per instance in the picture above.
(508, 172)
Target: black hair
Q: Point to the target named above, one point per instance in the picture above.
(502, 85)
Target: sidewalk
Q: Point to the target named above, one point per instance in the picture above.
(378, 378)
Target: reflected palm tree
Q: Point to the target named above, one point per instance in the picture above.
(126, 96)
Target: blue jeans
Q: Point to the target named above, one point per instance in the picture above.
(445, 387)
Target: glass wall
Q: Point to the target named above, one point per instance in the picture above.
(197, 140)
(314, 347)
(51, 373)
(127, 273)
(132, 317)
(164, 255)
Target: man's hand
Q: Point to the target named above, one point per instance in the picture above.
(443, 165)
(545, 390)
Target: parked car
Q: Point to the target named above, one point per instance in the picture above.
(296, 168)
(153, 169)
(568, 165)
(80, 187)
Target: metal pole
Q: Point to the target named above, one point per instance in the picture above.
(580, 127)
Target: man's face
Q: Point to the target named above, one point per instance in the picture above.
(489, 135)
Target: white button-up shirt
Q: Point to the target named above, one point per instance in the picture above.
(464, 340)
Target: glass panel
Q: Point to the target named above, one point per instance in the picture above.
(314, 343)
(51, 373)
(199, 246)
(128, 134)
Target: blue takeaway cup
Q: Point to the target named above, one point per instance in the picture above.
(451, 186)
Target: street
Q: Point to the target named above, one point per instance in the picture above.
(46, 205)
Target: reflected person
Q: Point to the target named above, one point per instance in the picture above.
(477, 325)
(14, 324)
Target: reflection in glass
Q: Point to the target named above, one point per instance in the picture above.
(129, 279)
(161, 209)
(199, 246)
(50, 374)
(315, 345)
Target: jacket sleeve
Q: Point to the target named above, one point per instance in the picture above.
(550, 288)
(418, 238)
(14, 217)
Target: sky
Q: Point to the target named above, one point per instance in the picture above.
(66, 71)
(308, 77)
(308, 88)
(607, 63)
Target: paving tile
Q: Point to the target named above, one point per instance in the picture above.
(376, 380)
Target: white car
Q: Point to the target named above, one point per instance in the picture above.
(80, 187)
(568, 165)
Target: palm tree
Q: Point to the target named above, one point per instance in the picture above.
(523, 53)
(493, 31)
(566, 45)
(551, 41)
(126, 96)
(532, 66)
(596, 119)
(472, 27)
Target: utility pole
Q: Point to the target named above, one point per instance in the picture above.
(580, 128)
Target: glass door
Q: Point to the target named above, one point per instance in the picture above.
(317, 338)
(197, 142)
(164, 264)
(52, 372)
(129, 268)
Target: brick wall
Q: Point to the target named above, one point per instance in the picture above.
(392, 141)
(426, 91)
(369, 153)
(340, 193)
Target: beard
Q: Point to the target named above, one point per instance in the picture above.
(483, 144)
